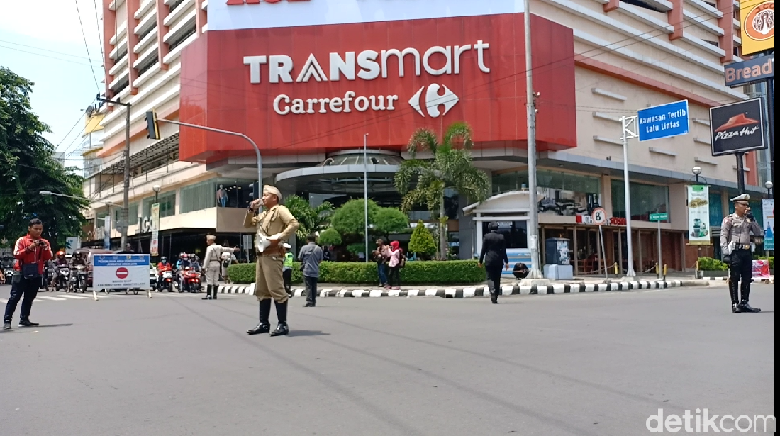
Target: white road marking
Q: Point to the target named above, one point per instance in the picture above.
(46, 297)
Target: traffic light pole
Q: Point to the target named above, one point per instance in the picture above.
(125, 195)
(226, 132)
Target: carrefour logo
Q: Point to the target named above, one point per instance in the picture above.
(367, 65)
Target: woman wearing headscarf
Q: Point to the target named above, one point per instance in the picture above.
(395, 264)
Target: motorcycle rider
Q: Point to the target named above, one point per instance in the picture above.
(59, 262)
(163, 266)
(181, 264)
(77, 260)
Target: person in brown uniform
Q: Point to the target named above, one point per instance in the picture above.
(274, 226)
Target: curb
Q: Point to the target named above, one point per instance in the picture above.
(766, 280)
(480, 291)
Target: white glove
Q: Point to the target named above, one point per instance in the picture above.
(727, 249)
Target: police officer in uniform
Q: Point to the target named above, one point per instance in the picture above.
(212, 265)
(735, 245)
(274, 226)
(494, 256)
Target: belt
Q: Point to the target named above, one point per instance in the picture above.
(742, 247)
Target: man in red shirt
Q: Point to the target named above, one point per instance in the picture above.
(31, 253)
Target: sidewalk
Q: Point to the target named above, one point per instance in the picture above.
(470, 291)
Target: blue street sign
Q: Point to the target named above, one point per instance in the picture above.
(663, 121)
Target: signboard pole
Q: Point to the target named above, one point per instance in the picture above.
(603, 253)
(740, 173)
(770, 103)
(660, 254)
(628, 132)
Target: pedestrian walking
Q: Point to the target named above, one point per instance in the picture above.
(212, 264)
(493, 255)
(382, 256)
(31, 252)
(310, 257)
(289, 258)
(274, 226)
(396, 262)
(737, 253)
(227, 258)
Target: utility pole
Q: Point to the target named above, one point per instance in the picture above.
(629, 132)
(123, 224)
(365, 189)
(530, 95)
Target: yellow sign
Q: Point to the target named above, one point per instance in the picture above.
(757, 26)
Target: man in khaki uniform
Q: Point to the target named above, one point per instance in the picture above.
(212, 265)
(274, 226)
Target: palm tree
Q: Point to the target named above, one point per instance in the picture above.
(311, 219)
(450, 167)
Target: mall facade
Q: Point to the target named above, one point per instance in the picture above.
(310, 80)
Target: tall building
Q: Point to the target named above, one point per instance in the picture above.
(307, 79)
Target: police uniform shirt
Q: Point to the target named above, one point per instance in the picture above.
(737, 229)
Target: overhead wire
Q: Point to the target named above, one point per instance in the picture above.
(86, 45)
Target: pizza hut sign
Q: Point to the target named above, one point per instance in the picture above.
(737, 128)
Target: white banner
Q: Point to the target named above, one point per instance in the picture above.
(768, 212)
(154, 243)
(121, 271)
(231, 15)
(699, 215)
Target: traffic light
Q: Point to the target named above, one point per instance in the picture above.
(254, 190)
(152, 129)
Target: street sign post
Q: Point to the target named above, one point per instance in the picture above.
(599, 217)
(663, 121)
(658, 217)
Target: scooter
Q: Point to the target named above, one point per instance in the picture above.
(166, 281)
(63, 278)
(190, 281)
(79, 279)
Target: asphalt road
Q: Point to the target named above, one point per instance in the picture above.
(579, 364)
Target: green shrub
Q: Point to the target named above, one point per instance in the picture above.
(461, 272)
(422, 241)
(710, 264)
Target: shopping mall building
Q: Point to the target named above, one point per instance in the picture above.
(307, 80)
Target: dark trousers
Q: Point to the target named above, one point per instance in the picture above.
(395, 276)
(382, 270)
(741, 272)
(25, 290)
(311, 289)
(287, 276)
(494, 280)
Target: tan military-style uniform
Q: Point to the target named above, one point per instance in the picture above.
(276, 221)
(212, 262)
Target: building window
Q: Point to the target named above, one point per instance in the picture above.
(560, 193)
(232, 192)
(514, 232)
(197, 197)
(167, 204)
(132, 214)
(716, 209)
(181, 38)
(645, 199)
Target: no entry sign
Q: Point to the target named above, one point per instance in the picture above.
(121, 271)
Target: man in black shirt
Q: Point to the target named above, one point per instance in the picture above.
(493, 253)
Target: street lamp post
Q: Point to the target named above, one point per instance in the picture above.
(696, 173)
(769, 186)
(156, 189)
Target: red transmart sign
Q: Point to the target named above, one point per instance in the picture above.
(321, 88)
